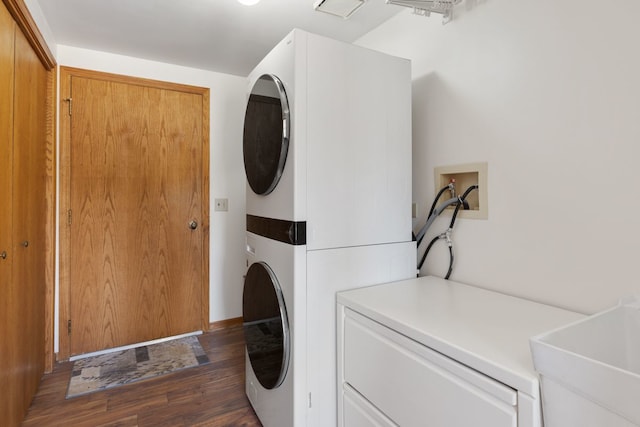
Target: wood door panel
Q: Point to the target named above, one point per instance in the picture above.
(9, 405)
(181, 202)
(23, 81)
(104, 216)
(24, 118)
(136, 182)
(29, 215)
(7, 33)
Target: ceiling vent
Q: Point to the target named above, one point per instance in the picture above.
(426, 7)
(341, 8)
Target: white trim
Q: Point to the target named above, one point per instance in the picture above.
(127, 347)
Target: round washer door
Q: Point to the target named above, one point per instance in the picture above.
(266, 134)
(266, 328)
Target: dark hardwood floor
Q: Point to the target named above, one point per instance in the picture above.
(209, 395)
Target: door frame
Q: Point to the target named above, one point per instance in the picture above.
(66, 73)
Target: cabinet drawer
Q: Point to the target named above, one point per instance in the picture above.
(357, 412)
(413, 385)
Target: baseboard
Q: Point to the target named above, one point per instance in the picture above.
(225, 324)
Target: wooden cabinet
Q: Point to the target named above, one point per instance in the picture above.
(23, 219)
(433, 352)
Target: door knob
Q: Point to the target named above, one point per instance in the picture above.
(3, 254)
(25, 243)
(193, 225)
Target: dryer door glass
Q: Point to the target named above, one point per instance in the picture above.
(266, 329)
(266, 134)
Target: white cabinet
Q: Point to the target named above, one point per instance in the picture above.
(429, 352)
(411, 383)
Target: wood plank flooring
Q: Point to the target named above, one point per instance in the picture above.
(210, 395)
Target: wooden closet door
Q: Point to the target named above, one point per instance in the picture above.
(8, 412)
(23, 84)
(29, 217)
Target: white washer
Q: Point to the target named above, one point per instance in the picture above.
(331, 209)
(291, 340)
(272, 326)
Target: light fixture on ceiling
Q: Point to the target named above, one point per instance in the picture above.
(426, 7)
(341, 8)
(248, 2)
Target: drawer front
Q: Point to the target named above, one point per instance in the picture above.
(357, 412)
(416, 386)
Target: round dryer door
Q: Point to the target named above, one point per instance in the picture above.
(266, 329)
(266, 134)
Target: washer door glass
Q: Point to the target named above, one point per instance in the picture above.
(266, 329)
(266, 134)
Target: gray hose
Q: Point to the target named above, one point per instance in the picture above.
(434, 215)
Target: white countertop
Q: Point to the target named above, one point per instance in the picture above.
(484, 330)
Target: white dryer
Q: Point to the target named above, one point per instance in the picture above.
(345, 164)
(327, 152)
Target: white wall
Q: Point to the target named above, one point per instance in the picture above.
(43, 25)
(228, 98)
(548, 93)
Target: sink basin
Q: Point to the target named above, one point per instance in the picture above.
(590, 369)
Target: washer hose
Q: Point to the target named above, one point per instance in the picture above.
(447, 234)
(463, 199)
(436, 213)
(450, 187)
(433, 214)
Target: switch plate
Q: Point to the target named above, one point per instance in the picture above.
(221, 205)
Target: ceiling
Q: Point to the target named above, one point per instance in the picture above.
(215, 35)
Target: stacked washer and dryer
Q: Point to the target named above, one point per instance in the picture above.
(327, 152)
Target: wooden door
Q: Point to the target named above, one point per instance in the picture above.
(8, 405)
(137, 165)
(23, 169)
(29, 216)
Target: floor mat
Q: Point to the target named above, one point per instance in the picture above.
(123, 367)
